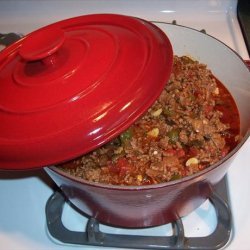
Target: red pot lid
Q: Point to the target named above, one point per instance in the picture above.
(72, 86)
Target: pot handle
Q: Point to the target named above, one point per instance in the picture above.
(247, 62)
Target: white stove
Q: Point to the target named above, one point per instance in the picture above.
(24, 194)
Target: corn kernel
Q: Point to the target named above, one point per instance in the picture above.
(192, 161)
(139, 177)
(118, 150)
(157, 112)
(154, 132)
(216, 91)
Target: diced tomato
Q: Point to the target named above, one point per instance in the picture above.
(207, 109)
(125, 170)
(122, 162)
(121, 167)
(170, 151)
(201, 167)
(114, 169)
(183, 172)
(197, 93)
(147, 181)
(224, 151)
(180, 152)
(175, 152)
(70, 165)
(191, 75)
(193, 151)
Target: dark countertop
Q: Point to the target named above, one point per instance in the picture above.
(243, 12)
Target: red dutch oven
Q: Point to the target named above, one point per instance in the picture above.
(72, 86)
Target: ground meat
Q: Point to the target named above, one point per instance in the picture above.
(185, 131)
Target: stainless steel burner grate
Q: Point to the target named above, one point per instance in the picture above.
(94, 236)
(9, 38)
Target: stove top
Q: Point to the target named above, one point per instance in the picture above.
(95, 236)
(24, 195)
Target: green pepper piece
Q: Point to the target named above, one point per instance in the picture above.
(196, 143)
(187, 60)
(168, 112)
(126, 136)
(175, 176)
(173, 135)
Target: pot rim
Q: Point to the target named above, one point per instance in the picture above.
(152, 186)
(169, 183)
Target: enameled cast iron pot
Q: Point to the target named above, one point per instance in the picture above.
(158, 204)
(152, 205)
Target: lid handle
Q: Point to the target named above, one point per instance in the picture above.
(42, 44)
